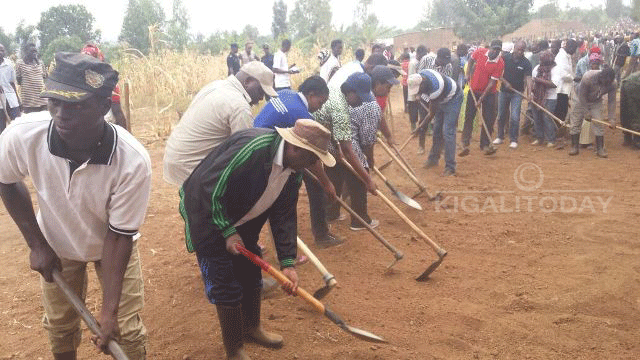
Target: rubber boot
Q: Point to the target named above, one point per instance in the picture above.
(253, 331)
(575, 144)
(231, 327)
(600, 147)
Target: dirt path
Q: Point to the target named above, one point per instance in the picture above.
(547, 272)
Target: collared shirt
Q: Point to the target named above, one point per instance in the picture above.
(233, 64)
(218, 110)
(592, 92)
(283, 111)
(563, 61)
(365, 121)
(32, 76)
(515, 71)
(485, 70)
(280, 62)
(8, 76)
(78, 203)
(328, 67)
(429, 62)
(334, 115)
(277, 179)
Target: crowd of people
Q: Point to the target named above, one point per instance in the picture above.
(234, 172)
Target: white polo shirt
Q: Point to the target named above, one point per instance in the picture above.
(280, 62)
(77, 208)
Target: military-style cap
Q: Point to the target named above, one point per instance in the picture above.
(76, 77)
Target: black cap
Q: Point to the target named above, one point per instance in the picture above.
(496, 44)
(76, 77)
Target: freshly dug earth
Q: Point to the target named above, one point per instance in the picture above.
(542, 264)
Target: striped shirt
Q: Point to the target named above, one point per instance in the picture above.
(283, 111)
(443, 88)
(32, 82)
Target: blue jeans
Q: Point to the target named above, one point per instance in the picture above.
(445, 125)
(545, 127)
(509, 105)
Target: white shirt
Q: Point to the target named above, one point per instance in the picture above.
(280, 62)
(343, 73)
(565, 66)
(277, 180)
(327, 67)
(218, 110)
(556, 78)
(8, 76)
(108, 192)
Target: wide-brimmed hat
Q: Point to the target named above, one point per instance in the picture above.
(261, 72)
(76, 77)
(310, 135)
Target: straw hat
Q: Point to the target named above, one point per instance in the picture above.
(309, 135)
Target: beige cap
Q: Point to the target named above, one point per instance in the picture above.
(310, 135)
(413, 84)
(261, 72)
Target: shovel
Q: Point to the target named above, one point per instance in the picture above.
(320, 307)
(81, 309)
(329, 279)
(397, 254)
(439, 251)
(404, 198)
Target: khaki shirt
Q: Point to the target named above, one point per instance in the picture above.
(591, 91)
(218, 110)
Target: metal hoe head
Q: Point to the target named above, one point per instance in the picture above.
(359, 333)
(404, 198)
(399, 256)
(330, 283)
(425, 275)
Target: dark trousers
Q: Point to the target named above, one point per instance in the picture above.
(562, 106)
(341, 176)
(317, 211)
(413, 113)
(422, 131)
(228, 277)
(488, 115)
(405, 94)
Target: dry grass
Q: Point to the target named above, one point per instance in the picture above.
(162, 85)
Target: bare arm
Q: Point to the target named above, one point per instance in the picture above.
(384, 129)
(116, 252)
(351, 157)
(318, 170)
(17, 200)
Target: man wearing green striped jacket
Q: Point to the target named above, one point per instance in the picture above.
(252, 177)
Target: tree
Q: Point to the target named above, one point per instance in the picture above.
(614, 8)
(635, 10)
(65, 21)
(179, 26)
(141, 15)
(479, 19)
(71, 43)
(550, 10)
(24, 34)
(250, 32)
(279, 24)
(7, 41)
(310, 17)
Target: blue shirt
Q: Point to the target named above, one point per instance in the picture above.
(283, 111)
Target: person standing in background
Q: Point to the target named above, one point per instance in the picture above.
(30, 74)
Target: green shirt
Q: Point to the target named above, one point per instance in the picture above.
(334, 115)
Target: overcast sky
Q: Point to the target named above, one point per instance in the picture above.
(210, 16)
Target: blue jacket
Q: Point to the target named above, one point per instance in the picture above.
(282, 111)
